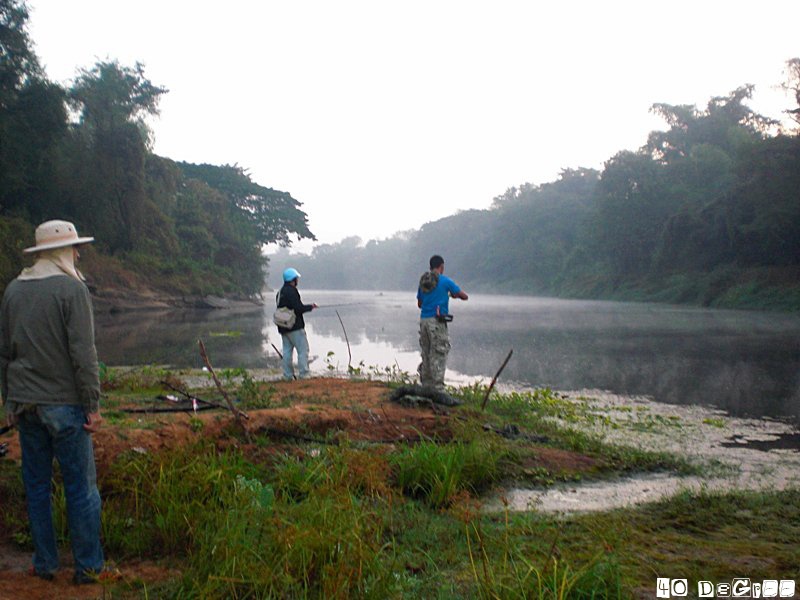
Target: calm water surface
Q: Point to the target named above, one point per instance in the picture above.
(744, 362)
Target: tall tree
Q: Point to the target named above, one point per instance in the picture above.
(18, 63)
(32, 119)
(764, 208)
(110, 96)
(630, 214)
(113, 102)
(272, 214)
(727, 122)
(792, 86)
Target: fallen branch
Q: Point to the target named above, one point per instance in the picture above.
(494, 379)
(188, 396)
(240, 415)
(281, 355)
(172, 409)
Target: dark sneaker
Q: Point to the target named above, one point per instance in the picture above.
(84, 578)
(92, 577)
(46, 576)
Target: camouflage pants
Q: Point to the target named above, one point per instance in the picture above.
(434, 344)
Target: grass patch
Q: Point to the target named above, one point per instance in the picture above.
(571, 424)
(140, 380)
(437, 473)
(718, 535)
(358, 520)
(339, 523)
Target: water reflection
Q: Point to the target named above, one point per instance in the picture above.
(744, 362)
(169, 337)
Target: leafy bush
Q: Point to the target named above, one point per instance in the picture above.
(15, 234)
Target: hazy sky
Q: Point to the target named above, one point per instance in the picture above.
(380, 116)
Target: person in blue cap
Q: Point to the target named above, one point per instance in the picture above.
(294, 337)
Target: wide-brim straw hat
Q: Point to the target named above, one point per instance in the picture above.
(56, 234)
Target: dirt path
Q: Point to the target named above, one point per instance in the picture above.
(17, 584)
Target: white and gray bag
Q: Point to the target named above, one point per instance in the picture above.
(283, 317)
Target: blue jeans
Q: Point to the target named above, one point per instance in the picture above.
(57, 431)
(295, 339)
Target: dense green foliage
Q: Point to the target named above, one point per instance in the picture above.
(706, 212)
(84, 154)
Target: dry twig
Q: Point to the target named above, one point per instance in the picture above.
(349, 354)
(240, 415)
(494, 379)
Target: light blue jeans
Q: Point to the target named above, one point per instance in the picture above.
(57, 431)
(291, 341)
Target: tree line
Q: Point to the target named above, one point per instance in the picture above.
(84, 153)
(707, 212)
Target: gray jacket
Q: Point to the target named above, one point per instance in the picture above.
(47, 352)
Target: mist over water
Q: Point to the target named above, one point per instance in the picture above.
(747, 363)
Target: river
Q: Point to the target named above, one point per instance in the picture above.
(744, 362)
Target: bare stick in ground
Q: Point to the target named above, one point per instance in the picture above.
(274, 347)
(349, 354)
(240, 415)
(494, 379)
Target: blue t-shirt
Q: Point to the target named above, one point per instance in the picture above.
(439, 296)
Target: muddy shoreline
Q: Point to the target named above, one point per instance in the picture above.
(757, 454)
(117, 301)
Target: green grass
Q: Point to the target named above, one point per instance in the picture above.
(338, 524)
(437, 473)
(351, 520)
(571, 424)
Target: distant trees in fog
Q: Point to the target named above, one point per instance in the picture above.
(707, 211)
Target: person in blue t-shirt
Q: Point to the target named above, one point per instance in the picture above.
(433, 298)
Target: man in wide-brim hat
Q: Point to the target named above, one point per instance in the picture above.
(51, 392)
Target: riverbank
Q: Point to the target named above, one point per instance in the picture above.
(120, 286)
(112, 300)
(335, 490)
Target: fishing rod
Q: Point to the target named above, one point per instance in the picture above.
(341, 305)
